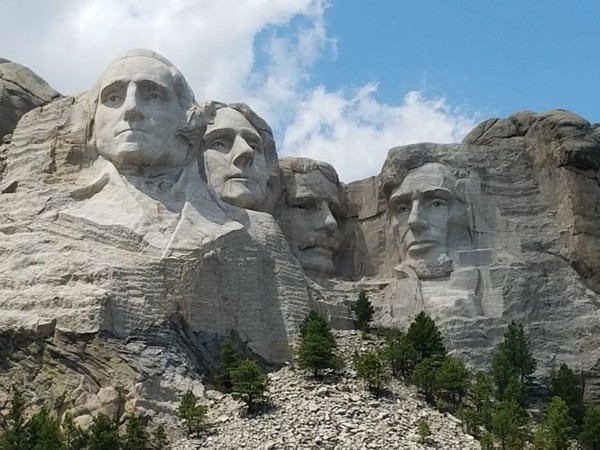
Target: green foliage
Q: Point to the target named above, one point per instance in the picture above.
(481, 396)
(74, 437)
(400, 354)
(424, 375)
(512, 358)
(159, 438)
(103, 433)
(371, 368)
(363, 310)
(249, 383)
(566, 385)
(556, 429)
(426, 338)
(453, 378)
(589, 436)
(227, 360)
(316, 351)
(136, 437)
(487, 441)
(43, 432)
(423, 429)
(508, 420)
(515, 390)
(13, 437)
(470, 418)
(193, 414)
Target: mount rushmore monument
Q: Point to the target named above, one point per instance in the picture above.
(152, 224)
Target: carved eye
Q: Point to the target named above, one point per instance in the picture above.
(401, 209)
(217, 144)
(154, 96)
(437, 203)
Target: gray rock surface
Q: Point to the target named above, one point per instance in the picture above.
(21, 90)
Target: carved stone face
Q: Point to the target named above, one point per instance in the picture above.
(420, 211)
(309, 224)
(234, 160)
(138, 115)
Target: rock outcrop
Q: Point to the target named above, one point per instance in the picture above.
(116, 248)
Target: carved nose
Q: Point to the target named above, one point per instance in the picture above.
(416, 221)
(132, 114)
(243, 154)
(131, 107)
(327, 222)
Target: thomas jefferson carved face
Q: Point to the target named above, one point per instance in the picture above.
(234, 160)
(420, 211)
(138, 115)
(309, 222)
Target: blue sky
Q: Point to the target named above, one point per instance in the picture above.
(339, 80)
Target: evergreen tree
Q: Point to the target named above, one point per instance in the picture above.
(515, 390)
(507, 421)
(566, 385)
(136, 437)
(159, 437)
(43, 432)
(423, 375)
(481, 395)
(103, 433)
(589, 436)
(363, 310)
(193, 414)
(470, 418)
(315, 323)
(227, 360)
(453, 378)
(557, 426)
(487, 441)
(316, 351)
(400, 355)
(371, 368)
(426, 338)
(423, 429)
(14, 437)
(75, 438)
(249, 383)
(512, 357)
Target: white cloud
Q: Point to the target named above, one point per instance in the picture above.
(258, 51)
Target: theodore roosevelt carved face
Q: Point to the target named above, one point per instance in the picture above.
(309, 217)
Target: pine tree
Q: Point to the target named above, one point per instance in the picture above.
(363, 311)
(316, 350)
(103, 433)
(426, 338)
(136, 437)
(557, 426)
(14, 437)
(453, 378)
(481, 395)
(470, 418)
(566, 385)
(193, 414)
(513, 358)
(487, 441)
(423, 429)
(423, 375)
(507, 421)
(400, 355)
(75, 438)
(589, 436)
(249, 383)
(159, 438)
(227, 360)
(371, 368)
(43, 432)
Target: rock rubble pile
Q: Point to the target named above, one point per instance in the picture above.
(336, 412)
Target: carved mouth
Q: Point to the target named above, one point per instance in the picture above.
(131, 130)
(422, 245)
